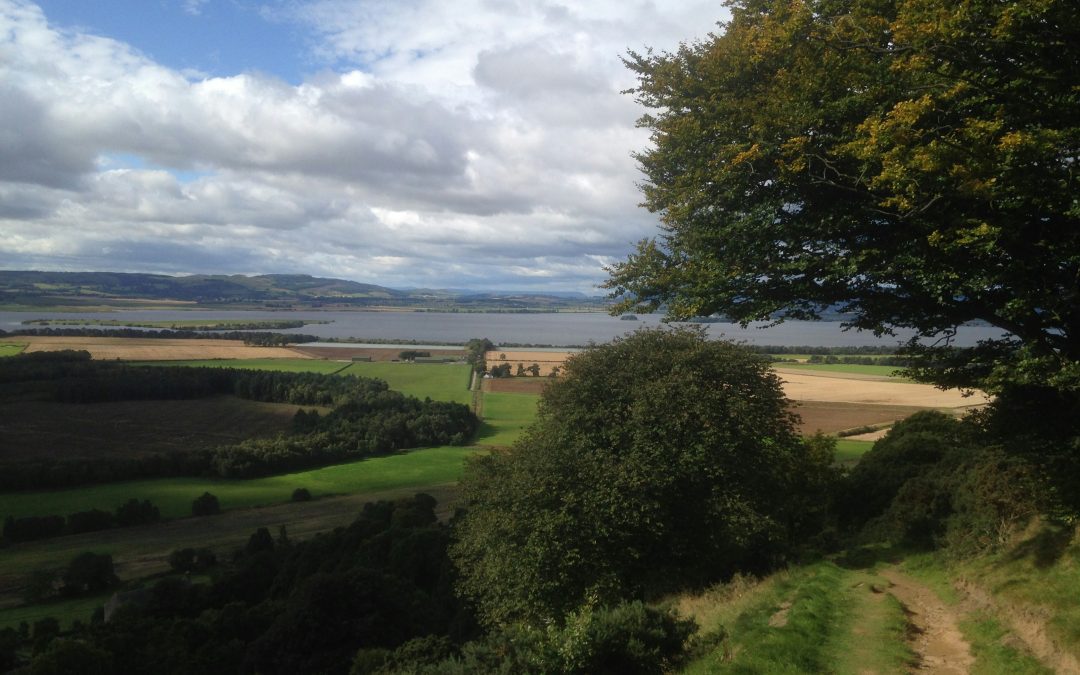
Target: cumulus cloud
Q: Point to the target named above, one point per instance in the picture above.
(479, 144)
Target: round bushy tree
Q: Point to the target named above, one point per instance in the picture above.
(657, 460)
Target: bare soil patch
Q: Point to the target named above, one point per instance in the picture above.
(830, 417)
(41, 429)
(935, 637)
(155, 349)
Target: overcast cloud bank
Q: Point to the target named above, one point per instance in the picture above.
(474, 144)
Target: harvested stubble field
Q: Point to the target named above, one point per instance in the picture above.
(44, 429)
(546, 360)
(157, 349)
(867, 389)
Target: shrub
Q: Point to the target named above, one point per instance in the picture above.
(134, 512)
(301, 495)
(89, 521)
(661, 459)
(89, 573)
(205, 505)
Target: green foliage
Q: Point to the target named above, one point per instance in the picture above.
(659, 459)
(910, 162)
(301, 495)
(89, 573)
(135, 512)
(630, 638)
(72, 656)
(192, 560)
(932, 481)
(205, 504)
(367, 417)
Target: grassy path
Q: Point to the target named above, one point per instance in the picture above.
(819, 618)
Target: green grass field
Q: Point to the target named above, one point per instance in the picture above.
(65, 611)
(286, 365)
(849, 452)
(419, 468)
(438, 381)
(505, 415)
(8, 349)
(883, 371)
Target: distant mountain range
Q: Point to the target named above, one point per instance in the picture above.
(43, 290)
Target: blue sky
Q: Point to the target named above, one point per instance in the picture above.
(408, 143)
(219, 38)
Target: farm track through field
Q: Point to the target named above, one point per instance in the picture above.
(934, 635)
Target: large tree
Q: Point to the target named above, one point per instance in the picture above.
(657, 460)
(911, 162)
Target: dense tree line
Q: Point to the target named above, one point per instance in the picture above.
(30, 528)
(374, 597)
(366, 418)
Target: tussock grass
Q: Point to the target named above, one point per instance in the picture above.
(994, 650)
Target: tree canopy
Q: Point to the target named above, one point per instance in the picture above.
(657, 460)
(910, 162)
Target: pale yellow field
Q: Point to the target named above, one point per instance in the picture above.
(869, 390)
(152, 349)
(546, 360)
(802, 385)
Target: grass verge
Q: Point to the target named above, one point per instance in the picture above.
(818, 618)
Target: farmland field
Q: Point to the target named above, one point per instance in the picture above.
(849, 452)
(156, 349)
(293, 365)
(881, 371)
(438, 381)
(505, 415)
(7, 349)
(831, 417)
(40, 429)
(140, 551)
(415, 469)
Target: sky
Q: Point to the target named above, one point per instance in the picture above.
(475, 144)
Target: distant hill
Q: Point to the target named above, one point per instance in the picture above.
(273, 291)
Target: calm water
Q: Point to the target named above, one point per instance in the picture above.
(553, 329)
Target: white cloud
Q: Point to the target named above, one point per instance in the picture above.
(485, 141)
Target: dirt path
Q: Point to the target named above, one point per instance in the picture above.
(935, 638)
